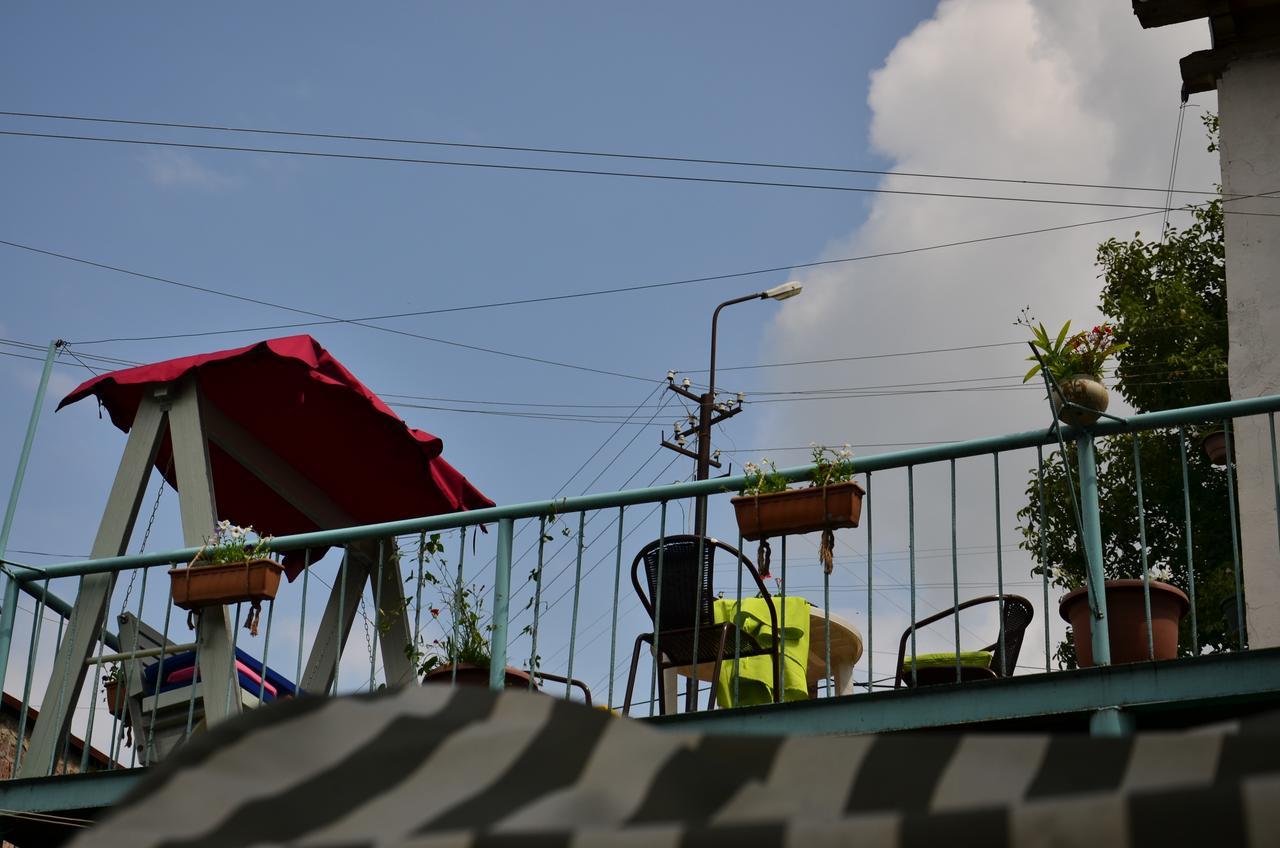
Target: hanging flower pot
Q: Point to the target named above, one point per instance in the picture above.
(1083, 390)
(832, 500)
(228, 569)
(1075, 362)
(794, 511)
(1215, 447)
(115, 699)
(203, 584)
(1127, 620)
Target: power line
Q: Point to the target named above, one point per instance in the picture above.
(614, 290)
(367, 157)
(326, 318)
(593, 153)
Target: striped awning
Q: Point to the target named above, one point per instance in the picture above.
(434, 766)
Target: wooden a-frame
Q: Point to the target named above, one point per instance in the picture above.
(192, 425)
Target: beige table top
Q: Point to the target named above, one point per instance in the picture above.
(846, 647)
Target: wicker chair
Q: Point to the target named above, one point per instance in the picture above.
(1017, 612)
(685, 614)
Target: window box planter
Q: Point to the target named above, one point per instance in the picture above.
(201, 585)
(799, 510)
(1127, 621)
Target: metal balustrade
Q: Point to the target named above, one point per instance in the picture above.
(550, 577)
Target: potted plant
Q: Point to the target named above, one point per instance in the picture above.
(1127, 619)
(1214, 445)
(113, 691)
(465, 654)
(833, 499)
(233, 566)
(1074, 361)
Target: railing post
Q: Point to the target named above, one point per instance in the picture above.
(501, 604)
(1091, 528)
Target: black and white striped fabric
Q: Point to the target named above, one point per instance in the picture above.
(434, 766)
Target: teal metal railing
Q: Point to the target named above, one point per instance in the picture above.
(590, 648)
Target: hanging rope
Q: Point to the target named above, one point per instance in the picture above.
(763, 555)
(827, 551)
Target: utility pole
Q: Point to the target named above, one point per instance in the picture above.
(711, 413)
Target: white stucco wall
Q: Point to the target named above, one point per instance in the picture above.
(1249, 108)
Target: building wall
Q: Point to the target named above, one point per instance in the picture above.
(1249, 108)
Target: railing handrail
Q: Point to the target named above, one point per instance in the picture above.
(675, 491)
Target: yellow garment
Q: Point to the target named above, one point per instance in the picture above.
(755, 674)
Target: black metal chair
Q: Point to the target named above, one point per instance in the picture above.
(686, 614)
(1017, 612)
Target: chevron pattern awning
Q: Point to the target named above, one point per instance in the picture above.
(434, 766)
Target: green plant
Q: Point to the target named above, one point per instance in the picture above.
(230, 543)
(1066, 355)
(113, 674)
(763, 479)
(1167, 298)
(466, 639)
(831, 466)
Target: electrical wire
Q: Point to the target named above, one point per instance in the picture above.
(593, 293)
(326, 318)
(589, 153)
(367, 157)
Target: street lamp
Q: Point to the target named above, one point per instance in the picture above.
(706, 401)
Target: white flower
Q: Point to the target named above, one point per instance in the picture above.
(1161, 573)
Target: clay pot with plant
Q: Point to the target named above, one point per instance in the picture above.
(465, 654)
(1074, 362)
(113, 691)
(1127, 619)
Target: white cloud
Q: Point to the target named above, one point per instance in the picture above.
(176, 169)
(1024, 89)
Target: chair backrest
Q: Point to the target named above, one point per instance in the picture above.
(1018, 613)
(685, 561)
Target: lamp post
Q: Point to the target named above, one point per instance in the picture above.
(706, 402)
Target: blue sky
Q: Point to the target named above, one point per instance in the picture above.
(356, 238)
(1018, 88)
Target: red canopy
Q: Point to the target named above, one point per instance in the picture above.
(300, 403)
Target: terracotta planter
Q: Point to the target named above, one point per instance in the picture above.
(799, 510)
(1085, 390)
(203, 585)
(470, 674)
(115, 699)
(1127, 621)
(1215, 447)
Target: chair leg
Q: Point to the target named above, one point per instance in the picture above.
(691, 689)
(631, 678)
(780, 649)
(715, 672)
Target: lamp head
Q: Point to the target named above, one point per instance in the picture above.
(784, 291)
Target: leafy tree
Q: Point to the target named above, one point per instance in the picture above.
(1167, 300)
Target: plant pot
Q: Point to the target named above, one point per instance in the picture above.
(1084, 390)
(1127, 620)
(204, 585)
(470, 674)
(1215, 447)
(799, 510)
(116, 705)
